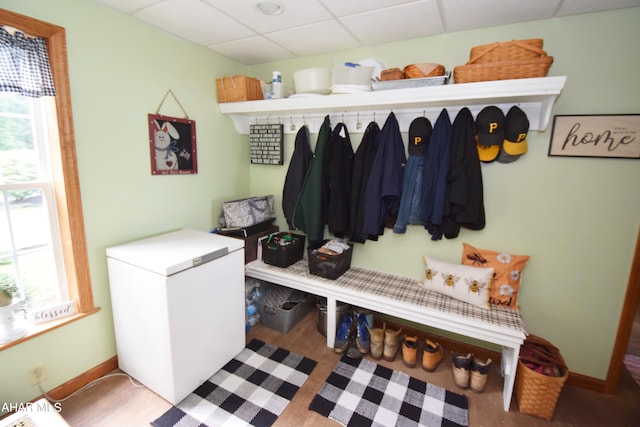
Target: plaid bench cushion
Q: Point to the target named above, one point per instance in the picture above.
(410, 291)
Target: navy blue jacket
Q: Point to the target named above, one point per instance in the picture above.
(384, 187)
(436, 172)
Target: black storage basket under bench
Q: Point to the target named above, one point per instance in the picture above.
(283, 249)
(326, 265)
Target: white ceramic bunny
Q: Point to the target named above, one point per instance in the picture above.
(165, 137)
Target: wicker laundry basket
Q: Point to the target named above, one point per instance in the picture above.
(507, 51)
(536, 393)
(517, 59)
(238, 88)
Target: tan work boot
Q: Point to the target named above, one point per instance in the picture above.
(432, 355)
(460, 367)
(479, 374)
(377, 341)
(410, 351)
(391, 344)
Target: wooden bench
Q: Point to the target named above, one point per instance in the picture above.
(405, 298)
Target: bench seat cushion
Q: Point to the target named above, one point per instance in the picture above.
(407, 290)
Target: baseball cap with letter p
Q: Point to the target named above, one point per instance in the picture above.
(516, 126)
(489, 132)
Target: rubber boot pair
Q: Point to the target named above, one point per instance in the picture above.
(384, 343)
(470, 372)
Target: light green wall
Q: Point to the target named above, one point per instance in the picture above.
(577, 218)
(120, 69)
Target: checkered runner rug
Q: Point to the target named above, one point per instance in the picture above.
(408, 290)
(361, 393)
(251, 390)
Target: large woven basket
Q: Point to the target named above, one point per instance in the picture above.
(517, 59)
(513, 50)
(238, 88)
(519, 69)
(537, 394)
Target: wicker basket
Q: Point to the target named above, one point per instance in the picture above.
(238, 88)
(537, 394)
(519, 69)
(392, 74)
(419, 71)
(507, 51)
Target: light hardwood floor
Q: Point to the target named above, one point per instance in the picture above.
(115, 402)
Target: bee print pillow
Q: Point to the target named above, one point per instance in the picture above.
(508, 273)
(462, 282)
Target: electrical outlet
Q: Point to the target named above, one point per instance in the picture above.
(37, 373)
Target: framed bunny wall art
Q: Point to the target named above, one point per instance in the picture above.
(172, 143)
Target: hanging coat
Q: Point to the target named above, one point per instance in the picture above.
(338, 169)
(411, 205)
(384, 188)
(436, 172)
(298, 167)
(362, 163)
(464, 203)
(307, 215)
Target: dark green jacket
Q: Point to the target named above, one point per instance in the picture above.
(307, 215)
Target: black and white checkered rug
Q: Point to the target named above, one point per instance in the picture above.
(362, 393)
(251, 390)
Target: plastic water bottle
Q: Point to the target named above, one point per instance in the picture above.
(276, 84)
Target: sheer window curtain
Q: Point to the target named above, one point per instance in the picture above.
(24, 64)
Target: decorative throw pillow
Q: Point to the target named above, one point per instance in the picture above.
(462, 282)
(508, 273)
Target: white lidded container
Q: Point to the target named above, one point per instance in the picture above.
(312, 80)
(348, 77)
(178, 308)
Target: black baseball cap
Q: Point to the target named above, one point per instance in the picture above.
(419, 134)
(516, 127)
(489, 132)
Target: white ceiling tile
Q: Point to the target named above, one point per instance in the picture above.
(417, 19)
(296, 13)
(467, 14)
(312, 39)
(350, 7)
(128, 6)
(308, 27)
(253, 50)
(194, 20)
(574, 7)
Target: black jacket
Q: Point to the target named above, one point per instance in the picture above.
(362, 163)
(338, 170)
(298, 167)
(464, 203)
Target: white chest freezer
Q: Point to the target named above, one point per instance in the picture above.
(178, 308)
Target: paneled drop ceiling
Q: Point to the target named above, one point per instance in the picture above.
(235, 28)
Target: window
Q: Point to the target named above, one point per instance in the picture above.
(30, 248)
(45, 180)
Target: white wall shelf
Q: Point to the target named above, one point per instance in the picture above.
(535, 96)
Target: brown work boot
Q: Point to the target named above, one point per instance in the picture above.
(431, 355)
(377, 341)
(479, 374)
(410, 351)
(460, 367)
(391, 344)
